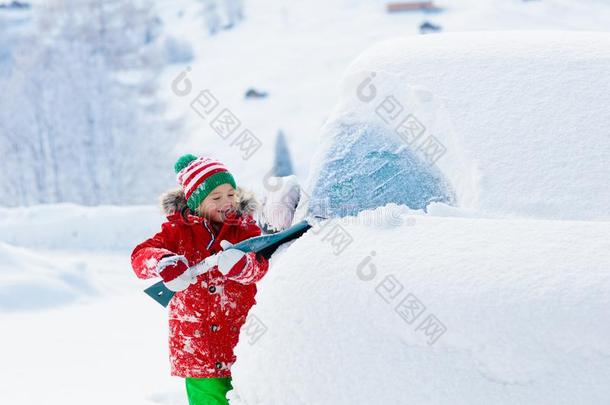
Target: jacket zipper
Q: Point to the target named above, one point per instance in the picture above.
(211, 234)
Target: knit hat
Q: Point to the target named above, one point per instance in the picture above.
(199, 176)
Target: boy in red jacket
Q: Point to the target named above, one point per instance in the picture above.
(205, 217)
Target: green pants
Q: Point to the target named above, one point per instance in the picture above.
(208, 391)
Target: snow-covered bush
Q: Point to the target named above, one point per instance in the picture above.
(178, 51)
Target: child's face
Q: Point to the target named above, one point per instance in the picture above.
(218, 203)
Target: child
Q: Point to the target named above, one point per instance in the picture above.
(208, 310)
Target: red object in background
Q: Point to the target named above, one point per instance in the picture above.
(410, 6)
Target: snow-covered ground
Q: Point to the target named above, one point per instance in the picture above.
(522, 301)
(76, 325)
(519, 311)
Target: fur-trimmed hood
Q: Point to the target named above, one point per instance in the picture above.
(174, 201)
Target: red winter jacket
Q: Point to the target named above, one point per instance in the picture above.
(204, 319)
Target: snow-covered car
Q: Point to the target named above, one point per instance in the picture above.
(474, 267)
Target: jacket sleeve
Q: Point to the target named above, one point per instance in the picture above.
(145, 257)
(252, 267)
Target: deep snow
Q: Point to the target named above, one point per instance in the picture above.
(518, 307)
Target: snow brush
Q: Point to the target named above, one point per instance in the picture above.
(264, 245)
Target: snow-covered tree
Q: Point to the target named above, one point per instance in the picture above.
(221, 14)
(282, 166)
(75, 116)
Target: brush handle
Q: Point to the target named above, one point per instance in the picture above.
(264, 245)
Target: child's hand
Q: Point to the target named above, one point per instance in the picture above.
(280, 204)
(175, 272)
(228, 258)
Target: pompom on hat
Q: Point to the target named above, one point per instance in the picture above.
(198, 176)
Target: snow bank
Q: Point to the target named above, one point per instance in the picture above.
(59, 254)
(434, 310)
(32, 282)
(120, 341)
(516, 123)
(77, 227)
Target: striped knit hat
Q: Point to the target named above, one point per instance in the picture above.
(199, 176)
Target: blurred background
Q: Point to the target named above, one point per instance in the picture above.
(87, 110)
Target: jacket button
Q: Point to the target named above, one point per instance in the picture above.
(234, 328)
(214, 328)
(218, 365)
(212, 289)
